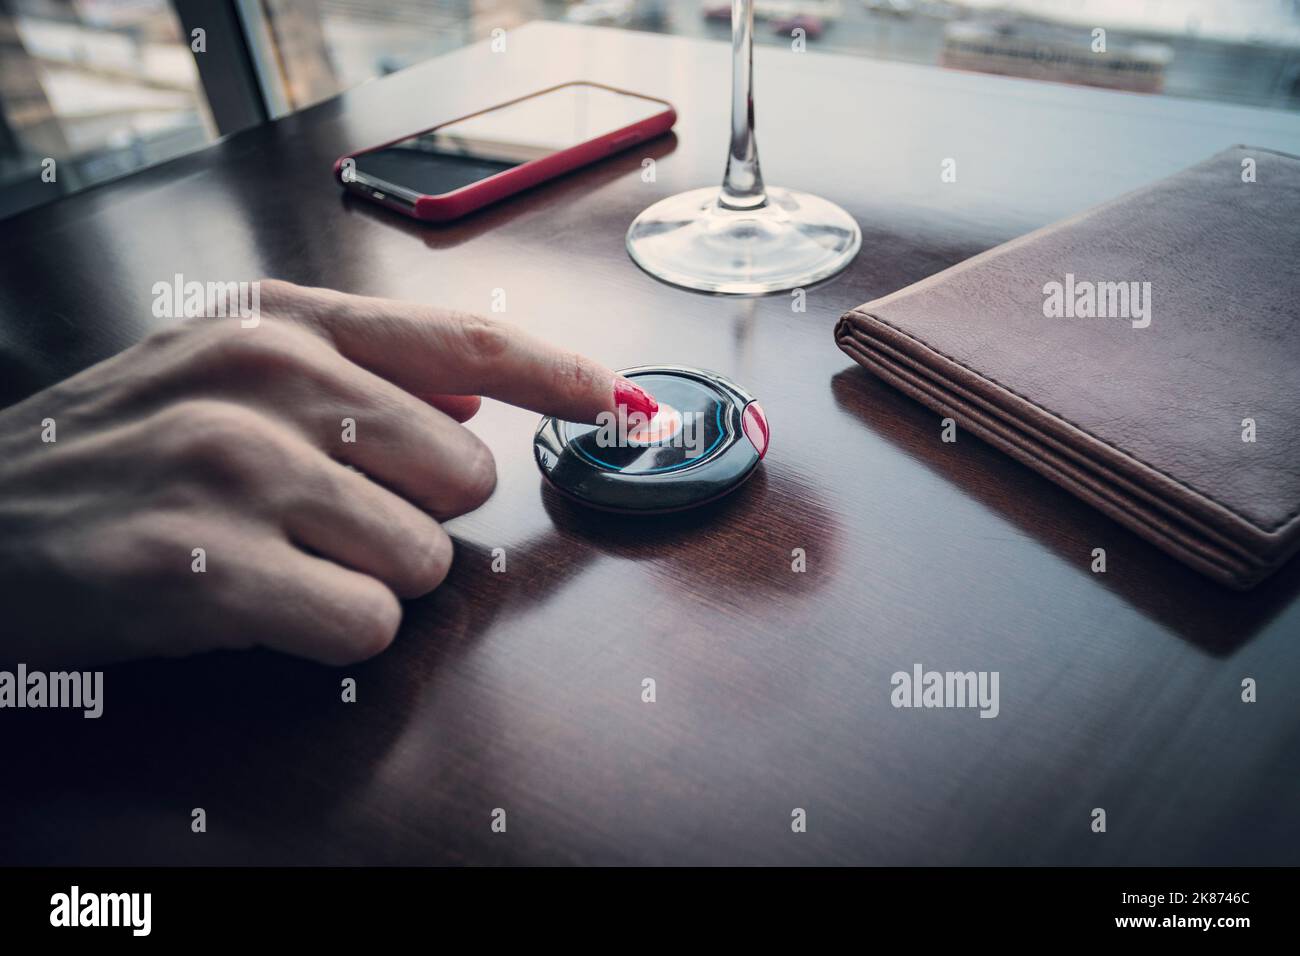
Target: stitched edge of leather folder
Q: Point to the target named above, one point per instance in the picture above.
(1236, 523)
(1160, 519)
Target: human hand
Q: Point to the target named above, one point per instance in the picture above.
(210, 435)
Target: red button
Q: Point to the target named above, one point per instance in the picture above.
(754, 424)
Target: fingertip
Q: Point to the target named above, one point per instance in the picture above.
(460, 407)
(378, 616)
(629, 395)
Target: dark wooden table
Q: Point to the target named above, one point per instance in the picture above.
(523, 690)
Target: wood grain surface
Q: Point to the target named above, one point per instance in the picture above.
(522, 690)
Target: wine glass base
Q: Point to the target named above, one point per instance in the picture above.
(795, 240)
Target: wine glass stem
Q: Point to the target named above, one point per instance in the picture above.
(742, 186)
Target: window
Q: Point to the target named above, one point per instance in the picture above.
(92, 89)
(326, 46)
(1235, 51)
(89, 90)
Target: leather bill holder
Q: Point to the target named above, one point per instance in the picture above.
(1145, 355)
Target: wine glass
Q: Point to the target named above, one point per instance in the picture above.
(743, 238)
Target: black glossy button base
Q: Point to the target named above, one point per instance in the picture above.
(722, 437)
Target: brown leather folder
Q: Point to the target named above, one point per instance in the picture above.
(1145, 355)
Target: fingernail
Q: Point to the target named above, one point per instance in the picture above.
(636, 398)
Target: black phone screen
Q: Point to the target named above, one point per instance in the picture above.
(465, 151)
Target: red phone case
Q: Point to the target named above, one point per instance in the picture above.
(460, 202)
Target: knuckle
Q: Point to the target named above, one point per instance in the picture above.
(271, 351)
(276, 289)
(480, 475)
(214, 439)
(430, 562)
(482, 339)
(292, 304)
(378, 616)
(209, 424)
(170, 336)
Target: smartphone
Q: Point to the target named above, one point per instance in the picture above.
(450, 170)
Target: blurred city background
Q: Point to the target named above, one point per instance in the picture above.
(104, 87)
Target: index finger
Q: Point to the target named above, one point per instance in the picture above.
(427, 350)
